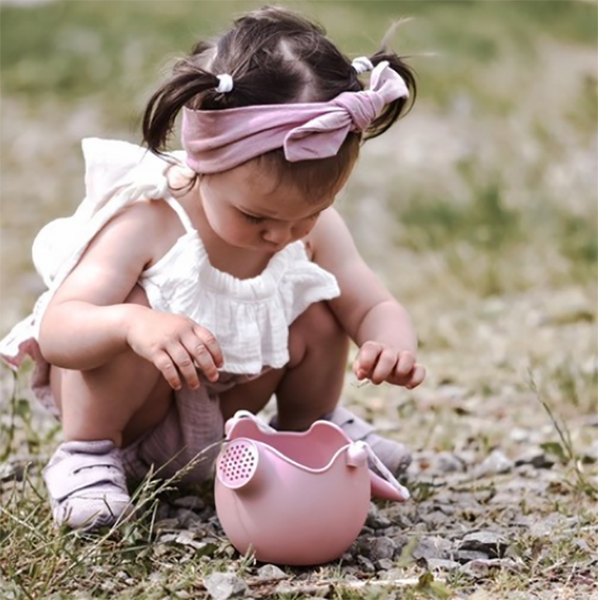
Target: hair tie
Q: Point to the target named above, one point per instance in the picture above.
(362, 64)
(225, 84)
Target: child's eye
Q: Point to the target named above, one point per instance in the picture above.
(252, 219)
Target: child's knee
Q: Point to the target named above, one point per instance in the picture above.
(316, 328)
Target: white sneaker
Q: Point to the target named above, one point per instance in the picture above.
(87, 485)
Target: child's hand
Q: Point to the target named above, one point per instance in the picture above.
(378, 363)
(177, 346)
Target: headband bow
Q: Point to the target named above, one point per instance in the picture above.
(218, 140)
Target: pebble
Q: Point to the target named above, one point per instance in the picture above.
(270, 573)
(495, 464)
(483, 567)
(432, 547)
(535, 457)
(378, 548)
(377, 520)
(465, 556)
(222, 586)
(447, 462)
(442, 564)
(384, 564)
(489, 542)
(366, 564)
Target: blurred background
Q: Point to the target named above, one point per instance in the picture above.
(479, 209)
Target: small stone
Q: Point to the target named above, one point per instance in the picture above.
(582, 545)
(270, 573)
(366, 564)
(467, 457)
(465, 556)
(284, 588)
(590, 454)
(447, 462)
(432, 547)
(442, 564)
(490, 543)
(479, 568)
(7, 472)
(534, 457)
(384, 564)
(550, 525)
(307, 591)
(350, 572)
(519, 435)
(380, 547)
(435, 518)
(375, 520)
(495, 464)
(222, 586)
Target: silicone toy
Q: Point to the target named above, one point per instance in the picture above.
(295, 498)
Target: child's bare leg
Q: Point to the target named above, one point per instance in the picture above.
(117, 401)
(101, 409)
(310, 385)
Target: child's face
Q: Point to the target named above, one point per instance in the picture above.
(247, 208)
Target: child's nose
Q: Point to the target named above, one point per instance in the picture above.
(278, 235)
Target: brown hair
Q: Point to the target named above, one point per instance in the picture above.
(274, 56)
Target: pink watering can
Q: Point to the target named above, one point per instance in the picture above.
(296, 498)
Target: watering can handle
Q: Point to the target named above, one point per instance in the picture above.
(245, 414)
(385, 472)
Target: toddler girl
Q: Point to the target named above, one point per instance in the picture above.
(189, 285)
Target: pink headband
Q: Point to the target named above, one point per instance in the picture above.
(218, 140)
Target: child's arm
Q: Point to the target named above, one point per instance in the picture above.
(370, 315)
(88, 323)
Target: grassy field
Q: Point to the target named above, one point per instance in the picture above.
(480, 211)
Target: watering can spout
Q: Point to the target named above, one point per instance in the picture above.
(386, 487)
(383, 489)
(239, 465)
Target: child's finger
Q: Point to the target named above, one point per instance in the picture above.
(385, 366)
(211, 344)
(205, 361)
(185, 365)
(366, 360)
(405, 364)
(417, 377)
(165, 365)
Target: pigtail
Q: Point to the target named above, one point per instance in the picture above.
(183, 88)
(400, 107)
